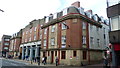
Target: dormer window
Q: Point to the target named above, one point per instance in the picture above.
(65, 12)
(95, 17)
(89, 14)
(81, 10)
(46, 19)
(55, 16)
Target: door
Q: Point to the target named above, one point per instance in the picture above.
(52, 56)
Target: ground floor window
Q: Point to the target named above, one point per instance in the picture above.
(84, 55)
(74, 53)
(43, 54)
(55, 53)
(63, 54)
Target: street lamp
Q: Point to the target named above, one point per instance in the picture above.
(1, 10)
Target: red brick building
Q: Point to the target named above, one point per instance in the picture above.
(72, 35)
(15, 42)
(5, 43)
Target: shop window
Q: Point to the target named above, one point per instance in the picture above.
(74, 53)
(55, 53)
(63, 54)
(84, 55)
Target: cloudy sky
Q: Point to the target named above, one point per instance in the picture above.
(18, 13)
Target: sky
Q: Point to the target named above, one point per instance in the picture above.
(18, 13)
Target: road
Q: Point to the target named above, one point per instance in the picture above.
(8, 63)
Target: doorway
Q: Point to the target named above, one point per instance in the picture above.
(52, 56)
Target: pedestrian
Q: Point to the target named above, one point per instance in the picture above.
(105, 62)
(38, 60)
(57, 60)
(45, 60)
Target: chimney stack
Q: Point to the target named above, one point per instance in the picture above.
(76, 4)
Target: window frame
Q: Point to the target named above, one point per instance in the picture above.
(63, 54)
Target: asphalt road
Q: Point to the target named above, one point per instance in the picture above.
(8, 63)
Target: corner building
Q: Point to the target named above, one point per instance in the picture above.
(74, 36)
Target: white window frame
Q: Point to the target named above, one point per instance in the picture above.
(55, 16)
(6, 48)
(35, 28)
(6, 43)
(45, 43)
(29, 38)
(30, 30)
(40, 36)
(45, 31)
(34, 37)
(83, 39)
(52, 41)
(84, 25)
(53, 28)
(47, 19)
(65, 11)
(95, 17)
(63, 39)
(7, 39)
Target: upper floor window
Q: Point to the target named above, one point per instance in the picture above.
(5, 48)
(45, 31)
(40, 36)
(64, 25)
(34, 37)
(84, 39)
(63, 41)
(44, 43)
(53, 29)
(6, 43)
(65, 12)
(91, 40)
(25, 40)
(35, 29)
(29, 38)
(98, 42)
(52, 41)
(30, 30)
(7, 39)
(23, 33)
(83, 25)
(26, 32)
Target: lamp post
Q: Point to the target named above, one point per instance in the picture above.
(1, 10)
